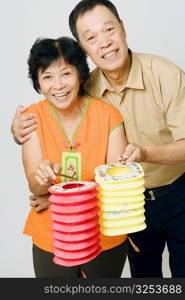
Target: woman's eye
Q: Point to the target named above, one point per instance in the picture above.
(66, 73)
(47, 77)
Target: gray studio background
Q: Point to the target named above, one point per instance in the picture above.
(153, 26)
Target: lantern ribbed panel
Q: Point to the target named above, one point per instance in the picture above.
(121, 194)
(75, 222)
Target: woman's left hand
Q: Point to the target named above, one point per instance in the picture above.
(39, 202)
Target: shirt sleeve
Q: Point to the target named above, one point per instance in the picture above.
(175, 105)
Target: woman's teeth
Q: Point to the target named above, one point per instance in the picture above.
(61, 94)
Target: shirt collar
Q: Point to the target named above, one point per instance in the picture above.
(135, 78)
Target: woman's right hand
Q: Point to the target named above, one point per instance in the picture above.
(46, 172)
(23, 125)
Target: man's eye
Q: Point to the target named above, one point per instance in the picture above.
(66, 73)
(110, 28)
(90, 38)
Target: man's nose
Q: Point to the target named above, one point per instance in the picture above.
(105, 41)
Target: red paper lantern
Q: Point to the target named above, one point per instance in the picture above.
(75, 222)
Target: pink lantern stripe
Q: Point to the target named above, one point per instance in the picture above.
(74, 209)
(64, 236)
(76, 254)
(70, 200)
(78, 245)
(75, 227)
(75, 217)
(75, 262)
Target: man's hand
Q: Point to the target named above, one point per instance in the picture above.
(39, 202)
(23, 125)
(133, 153)
(46, 172)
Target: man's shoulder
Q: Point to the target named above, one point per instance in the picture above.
(94, 74)
(157, 64)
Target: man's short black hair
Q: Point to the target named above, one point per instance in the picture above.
(84, 6)
(45, 51)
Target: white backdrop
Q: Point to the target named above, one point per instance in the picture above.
(153, 26)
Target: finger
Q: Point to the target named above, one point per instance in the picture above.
(46, 167)
(128, 151)
(26, 131)
(29, 116)
(28, 122)
(46, 204)
(133, 157)
(57, 168)
(20, 109)
(42, 172)
(42, 176)
(120, 159)
(22, 140)
(124, 156)
(48, 171)
(40, 180)
(39, 208)
(136, 156)
(32, 197)
(34, 203)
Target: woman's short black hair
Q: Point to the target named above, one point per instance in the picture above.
(45, 51)
(86, 5)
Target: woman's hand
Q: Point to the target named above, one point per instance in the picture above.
(39, 202)
(46, 172)
(133, 153)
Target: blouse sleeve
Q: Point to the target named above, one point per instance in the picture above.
(116, 119)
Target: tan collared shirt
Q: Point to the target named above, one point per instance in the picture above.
(153, 107)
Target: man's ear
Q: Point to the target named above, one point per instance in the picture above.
(86, 54)
(123, 28)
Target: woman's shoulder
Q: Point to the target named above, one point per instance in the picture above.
(38, 106)
(97, 103)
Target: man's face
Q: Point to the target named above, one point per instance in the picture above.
(103, 38)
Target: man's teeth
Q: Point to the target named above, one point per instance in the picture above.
(110, 54)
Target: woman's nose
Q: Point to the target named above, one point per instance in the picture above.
(58, 83)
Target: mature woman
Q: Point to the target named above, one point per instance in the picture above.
(70, 124)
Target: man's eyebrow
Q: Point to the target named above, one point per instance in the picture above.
(105, 23)
(109, 22)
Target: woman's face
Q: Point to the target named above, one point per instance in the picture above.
(60, 84)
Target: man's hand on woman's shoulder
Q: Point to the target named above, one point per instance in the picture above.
(23, 125)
